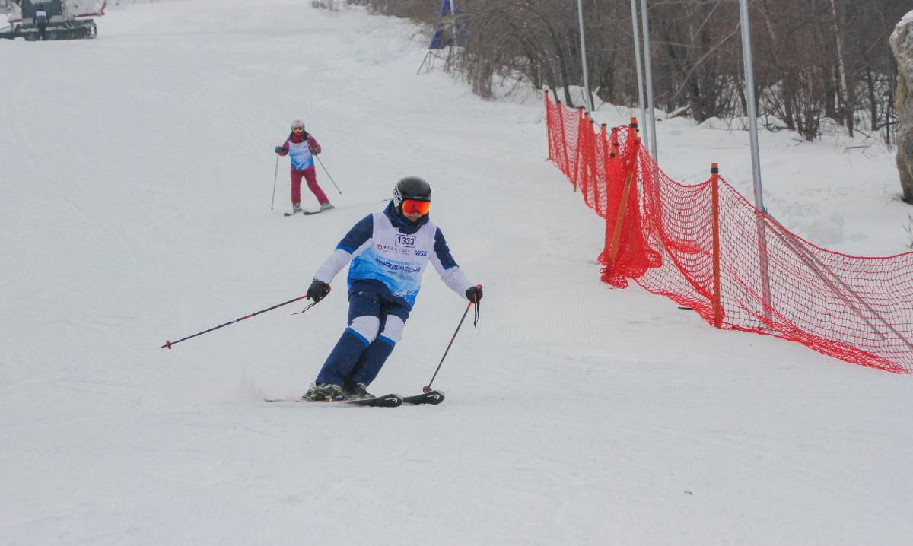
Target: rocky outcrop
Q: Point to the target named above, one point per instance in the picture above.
(902, 46)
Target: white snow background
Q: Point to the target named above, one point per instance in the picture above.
(136, 174)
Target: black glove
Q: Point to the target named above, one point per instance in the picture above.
(318, 290)
(314, 151)
(281, 150)
(474, 294)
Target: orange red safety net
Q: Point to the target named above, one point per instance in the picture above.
(707, 248)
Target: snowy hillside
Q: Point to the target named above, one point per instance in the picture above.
(136, 175)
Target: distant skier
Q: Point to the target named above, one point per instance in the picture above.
(41, 19)
(302, 147)
(389, 251)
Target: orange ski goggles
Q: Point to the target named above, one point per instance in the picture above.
(411, 206)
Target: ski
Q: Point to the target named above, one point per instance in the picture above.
(431, 398)
(318, 211)
(304, 211)
(384, 401)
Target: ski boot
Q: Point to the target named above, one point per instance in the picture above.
(324, 392)
(357, 391)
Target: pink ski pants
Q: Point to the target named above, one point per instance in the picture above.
(310, 175)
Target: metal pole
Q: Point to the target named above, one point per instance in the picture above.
(752, 106)
(328, 174)
(275, 177)
(170, 344)
(755, 158)
(453, 35)
(324, 166)
(648, 73)
(586, 77)
(427, 388)
(640, 68)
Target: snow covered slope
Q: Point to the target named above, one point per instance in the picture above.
(136, 174)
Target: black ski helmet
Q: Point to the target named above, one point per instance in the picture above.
(410, 187)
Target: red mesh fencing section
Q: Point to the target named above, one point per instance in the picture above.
(706, 247)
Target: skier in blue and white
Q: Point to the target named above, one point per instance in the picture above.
(389, 251)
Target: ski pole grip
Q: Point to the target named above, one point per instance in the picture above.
(476, 301)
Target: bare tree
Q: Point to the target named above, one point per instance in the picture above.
(813, 58)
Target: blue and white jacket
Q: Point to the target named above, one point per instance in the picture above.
(389, 256)
(300, 152)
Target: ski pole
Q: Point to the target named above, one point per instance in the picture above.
(275, 177)
(312, 304)
(427, 388)
(328, 174)
(168, 344)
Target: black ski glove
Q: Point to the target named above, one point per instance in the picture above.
(281, 149)
(474, 294)
(318, 290)
(314, 151)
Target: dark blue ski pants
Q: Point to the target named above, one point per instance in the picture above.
(375, 326)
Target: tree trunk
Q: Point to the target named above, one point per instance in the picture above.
(844, 92)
